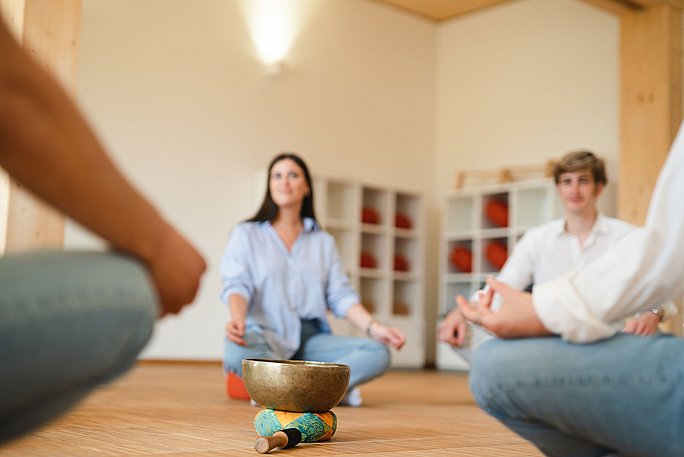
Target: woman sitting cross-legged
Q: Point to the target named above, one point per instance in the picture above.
(281, 275)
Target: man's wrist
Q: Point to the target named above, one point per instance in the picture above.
(658, 312)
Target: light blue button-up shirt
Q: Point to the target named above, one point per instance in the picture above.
(282, 287)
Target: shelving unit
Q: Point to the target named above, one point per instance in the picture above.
(380, 235)
(484, 224)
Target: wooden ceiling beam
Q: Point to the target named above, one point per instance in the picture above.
(439, 10)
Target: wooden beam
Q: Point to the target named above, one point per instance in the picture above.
(49, 31)
(440, 10)
(616, 7)
(649, 3)
(651, 102)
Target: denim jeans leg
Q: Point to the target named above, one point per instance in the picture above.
(68, 322)
(367, 358)
(622, 395)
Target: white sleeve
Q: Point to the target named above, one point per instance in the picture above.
(642, 271)
(518, 270)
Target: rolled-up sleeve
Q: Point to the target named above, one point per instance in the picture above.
(235, 269)
(339, 294)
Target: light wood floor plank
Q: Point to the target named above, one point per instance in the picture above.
(179, 410)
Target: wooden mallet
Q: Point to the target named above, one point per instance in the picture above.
(285, 439)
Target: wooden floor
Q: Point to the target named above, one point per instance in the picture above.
(182, 410)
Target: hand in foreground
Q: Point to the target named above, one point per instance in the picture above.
(645, 324)
(453, 329)
(235, 330)
(391, 336)
(515, 319)
(176, 268)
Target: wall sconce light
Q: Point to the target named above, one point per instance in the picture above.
(274, 25)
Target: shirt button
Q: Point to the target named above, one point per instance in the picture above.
(292, 306)
(290, 261)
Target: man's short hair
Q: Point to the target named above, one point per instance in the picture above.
(582, 159)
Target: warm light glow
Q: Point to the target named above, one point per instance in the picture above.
(275, 24)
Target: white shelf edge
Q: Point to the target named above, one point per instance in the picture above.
(461, 236)
(373, 273)
(402, 276)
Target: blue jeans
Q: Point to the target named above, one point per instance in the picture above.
(68, 322)
(621, 396)
(366, 358)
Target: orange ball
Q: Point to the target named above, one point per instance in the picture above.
(497, 213)
(497, 254)
(462, 259)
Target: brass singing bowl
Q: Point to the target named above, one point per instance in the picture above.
(295, 385)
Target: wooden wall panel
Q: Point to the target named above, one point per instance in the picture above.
(651, 107)
(651, 99)
(49, 30)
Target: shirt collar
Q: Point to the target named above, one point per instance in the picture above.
(600, 225)
(309, 224)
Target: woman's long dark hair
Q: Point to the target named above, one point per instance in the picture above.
(269, 210)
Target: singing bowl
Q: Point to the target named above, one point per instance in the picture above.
(295, 385)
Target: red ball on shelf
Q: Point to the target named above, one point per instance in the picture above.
(370, 216)
(497, 213)
(462, 258)
(402, 221)
(496, 253)
(368, 261)
(401, 263)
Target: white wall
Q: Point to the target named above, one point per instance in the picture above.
(176, 91)
(519, 84)
(525, 82)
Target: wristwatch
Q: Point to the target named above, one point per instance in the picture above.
(658, 312)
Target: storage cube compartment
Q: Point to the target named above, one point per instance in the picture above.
(373, 294)
(407, 212)
(460, 214)
(404, 298)
(405, 259)
(460, 258)
(345, 239)
(373, 251)
(494, 254)
(340, 201)
(533, 206)
(374, 207)
(495, 211)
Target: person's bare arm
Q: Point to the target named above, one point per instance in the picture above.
(47, 146)
(235, 328)
(361, 319)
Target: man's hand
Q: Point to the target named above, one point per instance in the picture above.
(515, 319)
(645, 324)
(176, 268)
(453, 330)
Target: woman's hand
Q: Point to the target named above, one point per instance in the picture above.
(391, 336)
(235, 330)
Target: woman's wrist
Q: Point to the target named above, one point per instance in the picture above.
(369, 326)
